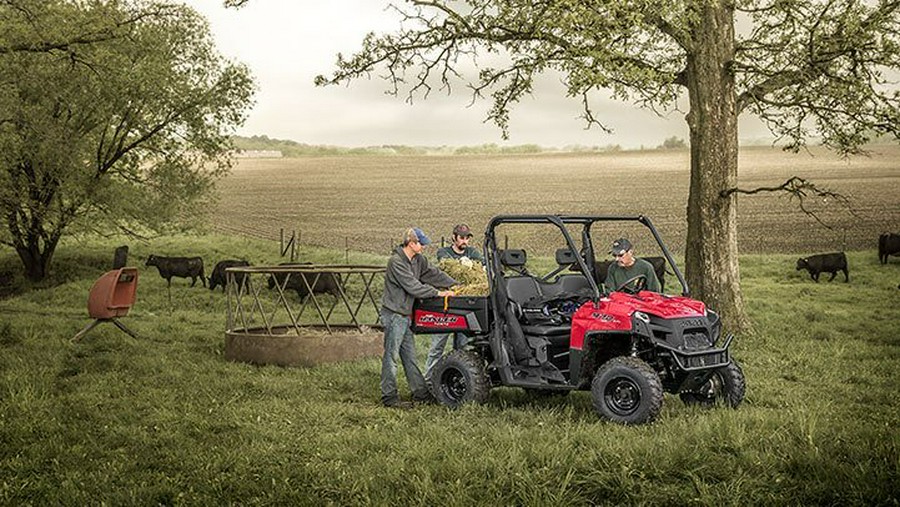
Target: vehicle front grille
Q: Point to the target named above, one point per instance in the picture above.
(689, 334)
(696, 340)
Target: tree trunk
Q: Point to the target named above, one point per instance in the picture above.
(36, 260)
(711, 253)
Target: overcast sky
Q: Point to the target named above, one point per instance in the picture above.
(286, 43)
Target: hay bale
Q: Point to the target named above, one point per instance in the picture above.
(471, 276)
(475, 289)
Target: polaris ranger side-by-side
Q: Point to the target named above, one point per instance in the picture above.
(563, 331)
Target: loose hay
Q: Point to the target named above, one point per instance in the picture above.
(471, 275)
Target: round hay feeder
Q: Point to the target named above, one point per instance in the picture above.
(268, 322)
(283, 346)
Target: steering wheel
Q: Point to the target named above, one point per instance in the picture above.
(640, 281)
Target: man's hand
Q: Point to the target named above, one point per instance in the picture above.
(446, 293)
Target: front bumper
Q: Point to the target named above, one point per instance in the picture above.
(695, 360)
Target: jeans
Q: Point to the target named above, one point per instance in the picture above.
(438, 342)
(399, 340)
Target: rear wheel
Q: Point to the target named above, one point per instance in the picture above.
(458, 378)
(627, 390)
(726, 385)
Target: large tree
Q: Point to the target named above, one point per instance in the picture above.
(114, 116)
(805, 67)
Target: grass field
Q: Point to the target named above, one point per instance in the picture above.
(365, 202)
(165, 420)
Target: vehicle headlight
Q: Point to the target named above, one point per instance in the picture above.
(640, 323)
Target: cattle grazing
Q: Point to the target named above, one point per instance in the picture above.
(327, 283)
(825, 263)
(658, 263)
(219, 276)
(888, 244)
(183, 267)
(120, 258)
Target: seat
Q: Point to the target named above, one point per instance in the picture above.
(573, 283)
(513, 258)
(522, 288)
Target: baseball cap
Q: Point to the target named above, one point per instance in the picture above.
(421, 237)
(462, 230)
(620, 246)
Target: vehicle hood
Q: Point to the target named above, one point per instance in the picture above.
(613, 312)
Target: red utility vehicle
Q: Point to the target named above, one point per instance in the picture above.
(563, 331)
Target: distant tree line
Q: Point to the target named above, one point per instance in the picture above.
(290, 148)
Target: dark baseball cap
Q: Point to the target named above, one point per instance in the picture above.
(620, 246)
(462, 230)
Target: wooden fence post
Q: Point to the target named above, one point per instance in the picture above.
(293, 246)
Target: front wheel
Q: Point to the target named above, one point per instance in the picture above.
(627, 390)
(458, 378)
(725, 385)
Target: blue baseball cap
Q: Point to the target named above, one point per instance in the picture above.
(421, 237)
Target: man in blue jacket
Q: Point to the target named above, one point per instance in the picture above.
(408, 276)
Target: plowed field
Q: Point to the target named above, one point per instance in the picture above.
(364, 203)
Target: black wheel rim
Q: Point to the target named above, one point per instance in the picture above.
(454, 385)
(713, 389)
(622, 396)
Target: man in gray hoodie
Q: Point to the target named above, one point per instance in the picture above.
(408, 276)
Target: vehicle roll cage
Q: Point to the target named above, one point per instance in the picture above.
(586, 258)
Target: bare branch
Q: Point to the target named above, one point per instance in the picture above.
(588, 115)
(800, 189)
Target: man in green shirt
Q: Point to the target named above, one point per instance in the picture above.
(623, 274)
(460, 247)
(457, 250)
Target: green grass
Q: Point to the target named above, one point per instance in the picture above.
(164, 419)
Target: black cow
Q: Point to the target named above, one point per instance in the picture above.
(327, 283)
(825, 263)
(658, 263)
(888, 244)
(183, 267)
(219, 276)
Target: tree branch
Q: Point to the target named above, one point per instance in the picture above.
(800, 189)
(86, 37)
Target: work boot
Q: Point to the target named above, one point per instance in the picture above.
(425, 399)
(398, 403)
